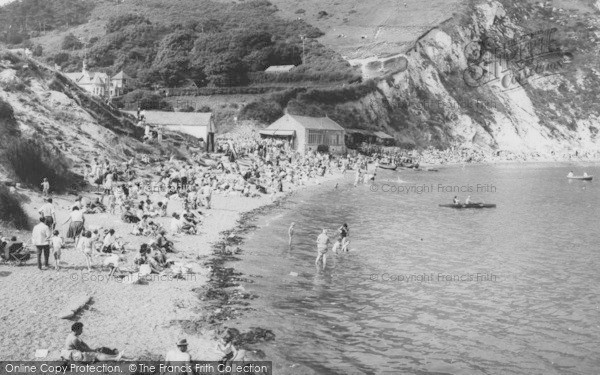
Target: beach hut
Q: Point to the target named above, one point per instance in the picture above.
(383, 138)
(307, 134)
(355, 137)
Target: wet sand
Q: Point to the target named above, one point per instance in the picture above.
(145, 320)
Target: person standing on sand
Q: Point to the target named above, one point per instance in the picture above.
(357, 177)
(77, 224)
(47, 211)
(57, 244)
(40, 237)
(206, 195)
(322, 246)
(45, 187)
(86, 245)
(179, 358)
(291, 233)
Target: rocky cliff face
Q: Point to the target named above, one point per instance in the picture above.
(484, 81)
(46, 106)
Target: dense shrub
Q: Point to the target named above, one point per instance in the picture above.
(119, 22)
(60, 58)
(8, 124)
(20, 20)
(32, 161)
(11, 211)
(264, 111)
(71, 42)
(146, 100)
(339, 95)
(38, 51)
(188, 108)
(9, 56)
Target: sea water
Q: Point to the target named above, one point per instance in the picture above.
(425, 289)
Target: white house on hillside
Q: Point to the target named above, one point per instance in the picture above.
(100, 84)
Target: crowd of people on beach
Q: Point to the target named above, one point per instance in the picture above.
(144, 203)
(242, 167)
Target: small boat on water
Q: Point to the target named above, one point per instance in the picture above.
(584, 178)
(388, 166)
(470, 205)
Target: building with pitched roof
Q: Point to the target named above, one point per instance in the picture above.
(308, 133)
(119, 83)
(100, 84)
(196, 124)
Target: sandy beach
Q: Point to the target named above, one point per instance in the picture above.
(142, 319)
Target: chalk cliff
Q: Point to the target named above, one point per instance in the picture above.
(492, 78)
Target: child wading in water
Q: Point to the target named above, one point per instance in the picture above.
(57, 245)
(337, 245)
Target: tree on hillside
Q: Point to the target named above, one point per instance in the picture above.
(117, 23)
(226, 70)
(38, 51)
(172, 61)
(20, 19)
(264, 111)
(71, 42)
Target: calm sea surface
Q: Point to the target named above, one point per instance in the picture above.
(431, 290)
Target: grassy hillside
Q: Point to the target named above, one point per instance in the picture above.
(50, 127)
(359, 29)
(211, 43)
(431, 103)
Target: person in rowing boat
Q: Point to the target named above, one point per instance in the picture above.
(585, 174)
(570, 174)
(456, 200)
(468, 200)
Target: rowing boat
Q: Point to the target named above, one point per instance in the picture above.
(584, 178)
(470, 205)
(388, 166)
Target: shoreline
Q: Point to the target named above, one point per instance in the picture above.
(144, 320)
(223, 298)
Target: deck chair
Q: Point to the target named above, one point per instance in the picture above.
(15, 253)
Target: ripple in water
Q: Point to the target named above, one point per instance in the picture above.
(511, 290)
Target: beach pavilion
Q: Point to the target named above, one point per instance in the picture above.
(307, 134)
